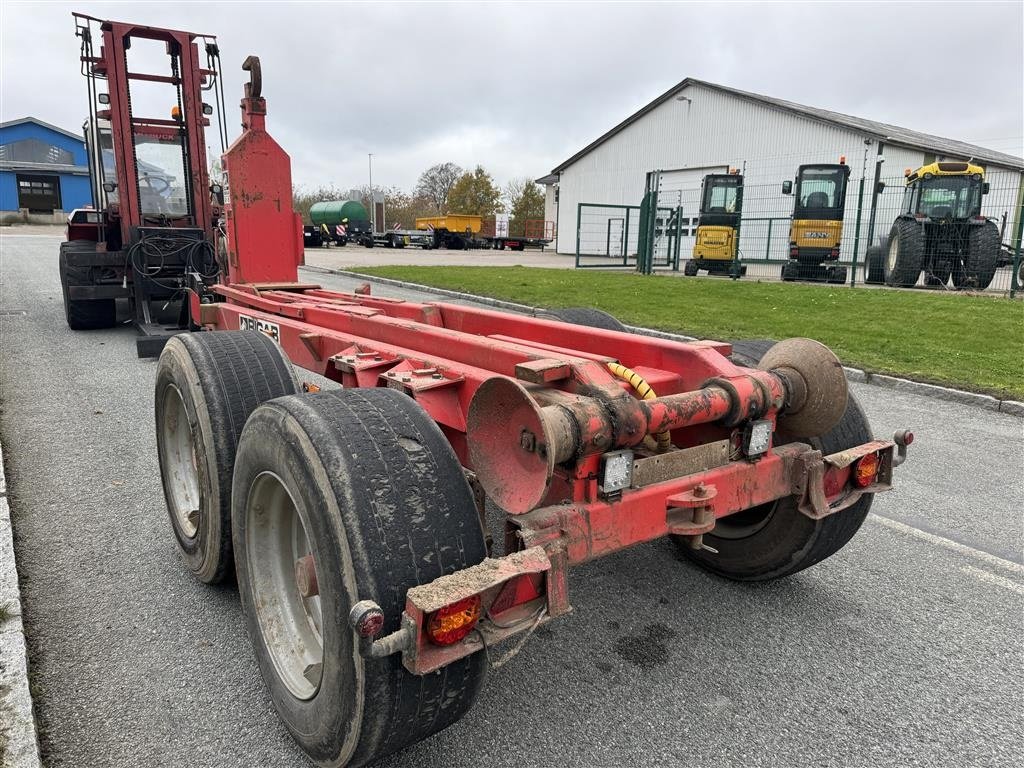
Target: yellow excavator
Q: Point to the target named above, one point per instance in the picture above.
(718, 228)
(816, 229)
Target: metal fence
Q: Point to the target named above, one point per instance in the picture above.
(608, 236)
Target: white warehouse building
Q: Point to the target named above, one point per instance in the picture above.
(697, 127)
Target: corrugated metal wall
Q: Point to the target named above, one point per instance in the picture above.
(713, 130)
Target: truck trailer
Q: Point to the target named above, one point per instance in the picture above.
(353, 515)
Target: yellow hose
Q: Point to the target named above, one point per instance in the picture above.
(644, 392)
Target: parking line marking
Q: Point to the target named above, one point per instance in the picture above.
(949, 544)
(991, 578)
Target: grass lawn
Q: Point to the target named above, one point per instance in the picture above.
(974, 343)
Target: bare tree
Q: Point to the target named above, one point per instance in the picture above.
(436, 183)
(514, 190)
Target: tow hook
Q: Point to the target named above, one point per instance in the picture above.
(367, 620)
(903, 438)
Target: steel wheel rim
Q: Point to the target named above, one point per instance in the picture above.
(181, 469)
(894, 252)
(291, 626)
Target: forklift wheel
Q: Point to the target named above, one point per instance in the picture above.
(83, 314)
(207, 384)
(776, 539)
(361, 490)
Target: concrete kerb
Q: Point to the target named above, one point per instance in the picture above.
(19, 744)
(1012, 407)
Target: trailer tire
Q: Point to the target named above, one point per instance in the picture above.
(905, 255)
(982, 259)
(82, 314)
(588, 316)
(776, 539)
(367, 481)
(213, 380)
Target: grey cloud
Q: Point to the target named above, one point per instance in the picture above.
(519, 87)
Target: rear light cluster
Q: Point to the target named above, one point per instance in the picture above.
(453, 622)
(835, 253)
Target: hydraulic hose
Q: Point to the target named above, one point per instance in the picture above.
(644, 392)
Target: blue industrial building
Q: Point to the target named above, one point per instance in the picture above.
(44, 171)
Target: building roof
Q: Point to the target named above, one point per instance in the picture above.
(890, 134)
(36, 121)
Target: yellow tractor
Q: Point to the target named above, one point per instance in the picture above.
(718, 228)
(817, 224)
(940, 231)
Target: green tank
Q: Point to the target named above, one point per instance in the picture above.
(332, 212)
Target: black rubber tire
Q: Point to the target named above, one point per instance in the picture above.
(874, 263)
(907, 237)
(982, 260)
(87, 314)
(782, 539)
(790, 271)
(836, 274)
(222, 376)
(588, 316)
(386, 507)
(690, 269)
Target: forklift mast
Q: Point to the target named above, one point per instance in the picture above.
(143, 193)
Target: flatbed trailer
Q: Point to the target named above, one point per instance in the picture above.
(353, 517)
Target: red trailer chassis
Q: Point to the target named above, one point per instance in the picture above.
(541, 415)
(533, 413)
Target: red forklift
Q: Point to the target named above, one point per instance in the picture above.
(156, 228)
(352, 511)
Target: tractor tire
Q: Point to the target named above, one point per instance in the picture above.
(982, 260)
(790, 271)
(82, 314)
(690, 269)
(776, 539)
(207, 384)
(364, 482)
(905, 256)
(874, 263)
(588, 316)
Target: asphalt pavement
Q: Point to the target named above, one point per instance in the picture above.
(904, 649)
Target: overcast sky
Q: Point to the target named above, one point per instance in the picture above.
(519, 87)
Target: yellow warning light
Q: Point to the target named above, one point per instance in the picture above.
(175, 112)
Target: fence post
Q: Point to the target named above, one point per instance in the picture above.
(873, 215)
(1014, 282)
(625, 240)
(856, 236)
(679, 230)
(579, 223)
(768, 241)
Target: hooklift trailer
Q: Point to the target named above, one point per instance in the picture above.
(354, 518)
